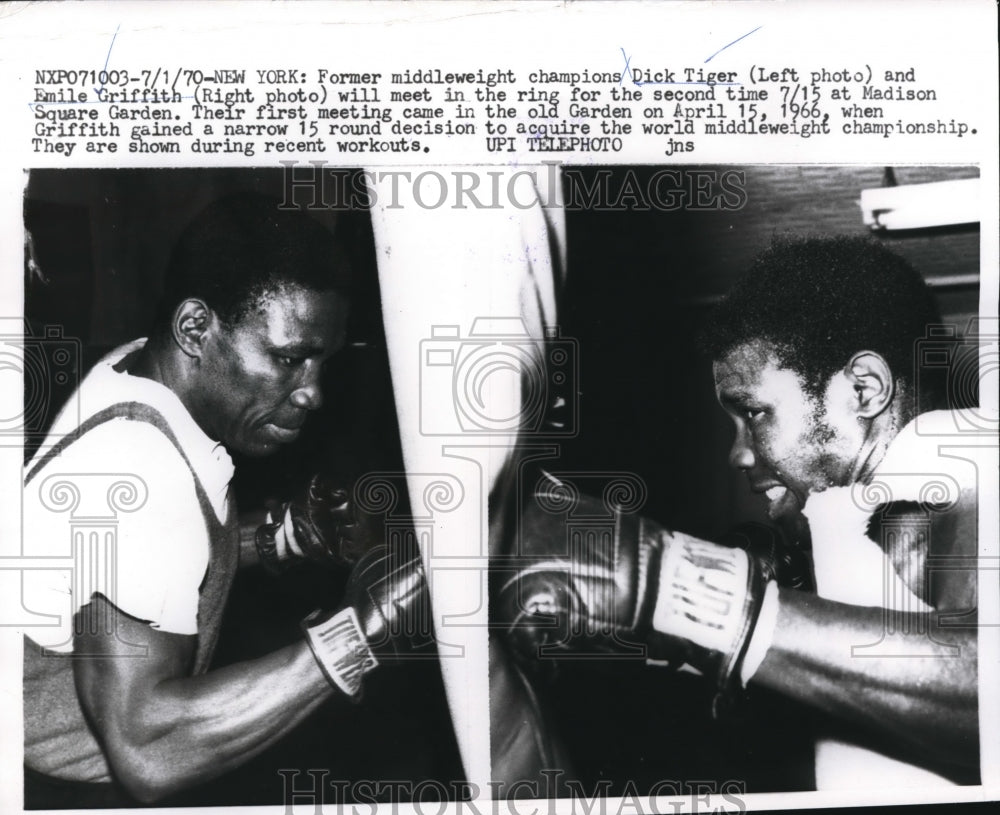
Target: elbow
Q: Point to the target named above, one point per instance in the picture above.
(947, 741)
(148, 778)
(145, 793)
(963, 739)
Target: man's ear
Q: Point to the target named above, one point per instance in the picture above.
(192, 321)
(873, 383)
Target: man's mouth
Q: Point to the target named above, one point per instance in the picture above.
(281, 433)
(779, 498)
(775, 492)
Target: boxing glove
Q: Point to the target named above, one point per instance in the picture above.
(321, 525)
(585, 583)
(594, 581)
(386, 618)
(779, 559)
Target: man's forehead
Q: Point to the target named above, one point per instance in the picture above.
(287, 311)
(753, 372)
(743, 364)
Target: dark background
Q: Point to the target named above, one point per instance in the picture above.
(639, 286)
(103, 239)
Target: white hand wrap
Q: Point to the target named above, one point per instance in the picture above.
(284, 537)
(276, 543)
(763, 634)
(340, 648)
(709, 596)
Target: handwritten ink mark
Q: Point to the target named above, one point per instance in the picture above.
(692, 82)
(107, 59)
(627, 70)
(724, 47)
(639, 83)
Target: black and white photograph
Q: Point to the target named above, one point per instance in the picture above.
(499, 408)
(750, 569)
(216, 432)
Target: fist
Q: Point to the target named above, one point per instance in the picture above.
(386, 618)
(584, 588)
(321, 525)
(389, 595)
(592, 580)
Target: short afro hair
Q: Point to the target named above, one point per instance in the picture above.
(244, 246)
(820, 300)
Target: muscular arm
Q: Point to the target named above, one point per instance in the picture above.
(921, 688)
(162, 730)
(917, 680)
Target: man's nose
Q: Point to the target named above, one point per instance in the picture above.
(741, 455)
(309, 395)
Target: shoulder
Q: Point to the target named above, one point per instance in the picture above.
(934, 460)
(118, 468)
(111, 445)
(125, 485)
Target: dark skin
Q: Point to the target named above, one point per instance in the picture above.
(249, 386)
(928, 702)
(163, 730)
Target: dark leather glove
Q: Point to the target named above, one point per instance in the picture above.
(779, 559)
(321, 525)
(594, 581)
(583, 588)
(386, 619)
